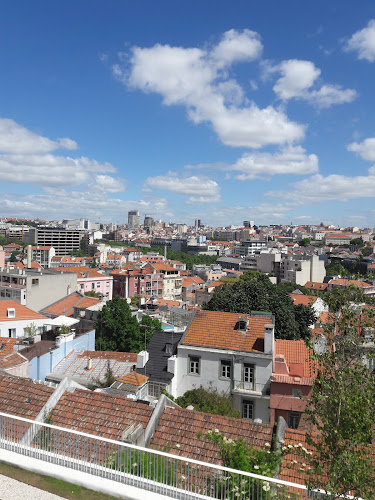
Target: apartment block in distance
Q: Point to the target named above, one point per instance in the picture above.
(63, 241)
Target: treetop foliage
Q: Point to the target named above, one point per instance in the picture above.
(117, 330)
(209, 401)
(255, 292)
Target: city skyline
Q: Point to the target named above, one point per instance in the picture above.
(258, 112)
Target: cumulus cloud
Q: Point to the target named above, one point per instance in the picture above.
(199, 189)
(318, 188)
(290, 160)
(26, 157)
(14, 138)
(237, 46)
(366, 149)
(363, 42)
(297, 77)
(91, 204)
(296, 82)
(109, 184)
(198, 79)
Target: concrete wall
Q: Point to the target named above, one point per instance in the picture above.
(41, 366)
(18, 326)
(49, 289)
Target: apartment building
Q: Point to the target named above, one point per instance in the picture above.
(231, 352)
(172, 280)
(35, 288)
(146, 282)
(63, 241)
(43, 255)
(90, 280)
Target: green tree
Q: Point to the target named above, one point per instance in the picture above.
(257, 293)
(2, 240)
(209, 401)
(341, 410)
(92, 293)
(93, 264)
(358, 242)
(305, 242)
(77, 253)
(13, 257)
(117, 330)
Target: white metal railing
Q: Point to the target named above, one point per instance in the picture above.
(145, 468)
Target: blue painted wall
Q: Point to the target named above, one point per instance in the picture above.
(41, 366)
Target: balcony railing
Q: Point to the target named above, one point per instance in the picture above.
(254, 388)
(144, 468)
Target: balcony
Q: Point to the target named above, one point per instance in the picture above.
(128, 471)
(251, 389)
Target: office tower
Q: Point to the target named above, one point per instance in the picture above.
(133, 218)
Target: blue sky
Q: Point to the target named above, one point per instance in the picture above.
(182, 110)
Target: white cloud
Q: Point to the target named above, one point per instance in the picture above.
(237, 46)
(363, 42)
(26, 157)
(49, 170)
(290, 160)
(109, 184)
(199, 189)
(318, 188)
(91, 204)
(297, 77)
(297, 80)
(366, 148)
(198, 80)
(15, 138)
(328, 95)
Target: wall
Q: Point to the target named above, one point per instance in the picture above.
(41, 366)
(50, 289)
(19, 325)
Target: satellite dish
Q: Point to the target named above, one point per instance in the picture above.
(128, 300)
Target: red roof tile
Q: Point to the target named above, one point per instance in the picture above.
(218, 330)
(181, 432)
(22, 313)
(133, 378)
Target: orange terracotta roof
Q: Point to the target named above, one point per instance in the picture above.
(133, 378)
(218, 330)
(305, 300)
(345, 282)
(21, 312)
(314, 285)
(124, 357)
(7, 345)
(99, 414)
(192, 280)
(178, 432)
(66, 305)
(162, 267)
(22, 397)
(295, 352)
(12, 360)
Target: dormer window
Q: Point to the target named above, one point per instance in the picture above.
(168, 348)
(11, 312)
(242, 323)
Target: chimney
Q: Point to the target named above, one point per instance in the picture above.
(269, 339)
(89, 364)
(29, 254)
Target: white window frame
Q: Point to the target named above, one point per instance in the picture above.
(247, 409)
(194, 365)
(225, 368)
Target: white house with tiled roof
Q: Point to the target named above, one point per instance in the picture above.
(14, 318)
(230, 352)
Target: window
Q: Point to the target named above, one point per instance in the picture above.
(194, 365)
(107, 284)
(35, 281)
(98, 285)
(82, 286)
(168, 348)
(225, 368)
(247, 409)
(92, 286)
(12, 332)
(296, 393)
(248, 376)
(293, 419)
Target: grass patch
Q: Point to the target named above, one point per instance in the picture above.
(52, 485)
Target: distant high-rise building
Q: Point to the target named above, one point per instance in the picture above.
(248, 223)
(133, 218)
(197, 223)
(148, 222)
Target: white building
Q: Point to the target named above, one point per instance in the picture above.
(14, 318)
(231, 352)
